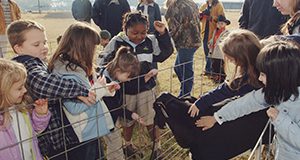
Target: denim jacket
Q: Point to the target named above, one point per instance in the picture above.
(287, 123)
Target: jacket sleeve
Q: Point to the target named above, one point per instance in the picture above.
(157, 14)
(39, 123)
(90, 8)
(252, 102)
(126, 7)
(287, 129)
(244, 18)
(16, 10)
(96, 13)
(202, 7)
(219, 94)
(102, 91)
(48, 85)
(75, 106)
(164, 47)
(109, 52)
(74, 10)
(220, 11)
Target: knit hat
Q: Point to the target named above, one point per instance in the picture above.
(104, 34)
(222, 18)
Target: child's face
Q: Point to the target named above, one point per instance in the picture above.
(263, 78)
(104, 42)
(137, 33)
(35, 44)
(221, 24)
(122, 76)
(17, 91)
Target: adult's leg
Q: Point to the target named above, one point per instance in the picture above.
(186, 57)
(208, 60)
(178, 67)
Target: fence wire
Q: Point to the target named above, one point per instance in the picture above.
(170, 83)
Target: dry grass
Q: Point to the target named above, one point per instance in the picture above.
(57, 22)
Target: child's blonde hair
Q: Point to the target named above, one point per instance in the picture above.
(243, 46)
(77, 46)
(10, 73)
(17, 29)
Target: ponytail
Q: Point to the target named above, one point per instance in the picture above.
(124, 61)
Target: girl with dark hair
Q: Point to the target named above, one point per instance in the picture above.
(240, 49)
(209, 13)
(279, 67)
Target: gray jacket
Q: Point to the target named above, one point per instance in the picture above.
(287, 123)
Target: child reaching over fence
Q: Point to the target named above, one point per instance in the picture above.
(240, 48)
(74, 59)
(279, 66)
(123, 67)
(19, 124)
(29, 41)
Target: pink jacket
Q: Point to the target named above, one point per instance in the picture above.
(8, 137)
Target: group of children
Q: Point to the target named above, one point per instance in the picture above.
(91, 105)
(93, 99)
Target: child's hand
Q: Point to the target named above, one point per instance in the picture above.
(41, 107)
(272, 113)
(101, 81)
(113, 86)
(206, 122)
(193, 111)
(90, 99)
(136, 117)
(151, 73)
(159, 27)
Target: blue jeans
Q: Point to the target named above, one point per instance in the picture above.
(184, 70)
(208, 60)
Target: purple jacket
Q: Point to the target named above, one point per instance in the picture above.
(8, 137)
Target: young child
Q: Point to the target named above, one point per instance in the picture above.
(104, 38)
(74, 59)
(215, 53)
(28, 40)
(279, 65)
(19, 124)
(139, 94)
(123, 67)
(240, 48)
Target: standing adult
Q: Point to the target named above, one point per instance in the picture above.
(151, 10)
(184, 25)
(108, 14)
(82, 10)
(209, 13)
(291, 8)
(9, 12)
(261, 18)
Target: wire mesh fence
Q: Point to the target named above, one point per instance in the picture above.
(167, 81)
